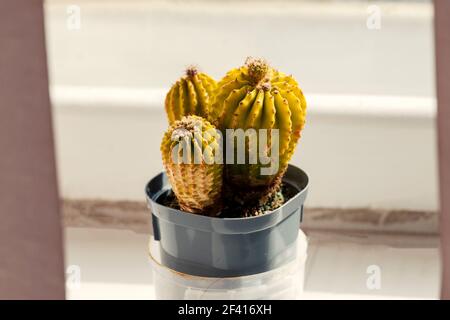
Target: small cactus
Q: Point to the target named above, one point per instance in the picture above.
(191, 153)
(260, 97)
(190, 95)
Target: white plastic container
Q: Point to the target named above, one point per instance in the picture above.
(285, 282)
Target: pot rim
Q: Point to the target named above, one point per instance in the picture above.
(159, 184)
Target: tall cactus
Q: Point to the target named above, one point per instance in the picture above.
(256, 96)
(190, 95)
(191, 153)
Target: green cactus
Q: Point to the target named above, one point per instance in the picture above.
(260, 97)
(192, 156)
(190, 95)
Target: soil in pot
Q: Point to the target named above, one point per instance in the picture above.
(236, 204)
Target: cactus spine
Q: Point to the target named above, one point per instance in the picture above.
(190, 95)
(191, 153)
(259, 97)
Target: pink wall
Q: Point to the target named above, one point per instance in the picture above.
(442, 26)
(31, 256)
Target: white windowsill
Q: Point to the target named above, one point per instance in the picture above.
(116, 266)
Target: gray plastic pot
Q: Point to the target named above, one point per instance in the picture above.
(227, 247)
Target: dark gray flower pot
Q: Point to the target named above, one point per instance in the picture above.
(221, 247)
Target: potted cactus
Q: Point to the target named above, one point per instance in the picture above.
(229, 204)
